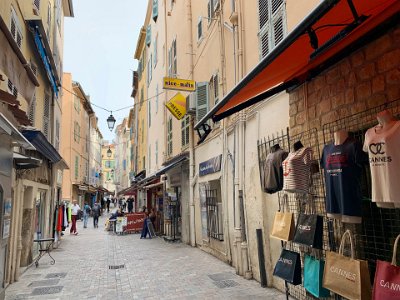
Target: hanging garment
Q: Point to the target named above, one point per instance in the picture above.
(59, 221)
(297, 171)
(65, 217)
(384, 159)
(273, 172)
(342, 166)
(69, 214)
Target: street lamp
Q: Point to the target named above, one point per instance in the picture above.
(109, 152)
(111, 122)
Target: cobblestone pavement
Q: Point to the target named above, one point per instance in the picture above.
(151, 269)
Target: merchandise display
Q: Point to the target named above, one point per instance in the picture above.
(342, 162)
(273, 172)
(382, 143)
(309, 230)
(297, 169)
(288, 267)
(313, 273)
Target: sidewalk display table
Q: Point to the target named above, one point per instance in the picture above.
(43, 249)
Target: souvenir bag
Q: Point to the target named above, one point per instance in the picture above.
(283, 226)
(387, 278)
(347, 276)
(313, 272)
(288, 267)
(309, 228)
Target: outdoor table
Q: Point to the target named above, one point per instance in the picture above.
(43, 249)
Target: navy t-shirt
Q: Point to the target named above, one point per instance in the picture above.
(342, 166)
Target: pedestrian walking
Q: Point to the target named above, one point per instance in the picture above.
(130, 204)
(108, 204)
(74, 215)
(145, 229)
(96, 214)
(86, 214)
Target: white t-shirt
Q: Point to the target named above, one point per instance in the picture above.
(384, 159)
(75, 209)
(296, 170)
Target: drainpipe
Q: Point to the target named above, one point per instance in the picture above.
(192, 224)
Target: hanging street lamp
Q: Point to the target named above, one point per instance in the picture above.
(109, 152)
(111, 122)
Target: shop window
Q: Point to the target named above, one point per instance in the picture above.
(272, 24)
(214, 211)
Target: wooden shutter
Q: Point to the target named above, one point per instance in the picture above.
(32, 109)
(263, 12)
(278, 30)
(276, 5)
(155, 10)
(36, 4)
(201, 100)
(216, 88)
(46, 115)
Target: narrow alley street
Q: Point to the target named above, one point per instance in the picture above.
(151, 269)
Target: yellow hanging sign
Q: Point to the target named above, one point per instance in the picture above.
(177, 106)
(179, 84)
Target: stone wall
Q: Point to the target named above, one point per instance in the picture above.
(367, 78)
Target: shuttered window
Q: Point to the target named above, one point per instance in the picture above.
(149, 109)
(77, 132)
(32, 109)
(76, 167)
(15, 28)
(155, 10)
(46, 115)
(169, 136)
(185, 130)
(272, 24)
(148, 35)
(200, 29)
(155, 51)
(201, 100)
(12, 89)
(36, 4)
(172, 60)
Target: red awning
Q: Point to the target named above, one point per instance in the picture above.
(294, 60)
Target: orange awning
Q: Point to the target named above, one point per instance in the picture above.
(294, 60)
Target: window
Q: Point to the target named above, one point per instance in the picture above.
(214, 211)
(12, 89)
(149, 158)
(48, 21)
(77, 132)
(141, 96)
(155, 10)
(214, 88)
(142, 131)
(149, 69)
(155, 51)
(201, 100)
(156, 153)
(148, 35)
(272, 24)
(36, 4)
(76, 167)
(169, 136)
(77, 104)
(200, 29)
(172, 60)
(32, 109)
(212, 6)
(46, 115)
(157, 98)
(149, 109)
(107, 164)
(57, 135)
(15, 28)
(185, 131)
(144, 162)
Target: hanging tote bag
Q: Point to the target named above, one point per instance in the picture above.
(313, 273)
(288, 267)
(387, 278)
(283, 226)
(347, 276)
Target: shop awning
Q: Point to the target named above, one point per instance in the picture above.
(16, 136)
(41, 144)
(26, 162)
(173, 163)
(45, 52)
(129, 190)
(332, 31)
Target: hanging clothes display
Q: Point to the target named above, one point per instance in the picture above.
(273, 172)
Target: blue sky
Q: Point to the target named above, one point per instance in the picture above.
(98, 50)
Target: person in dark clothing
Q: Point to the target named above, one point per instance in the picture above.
(96, 214)
(108, 205)
(130, 204)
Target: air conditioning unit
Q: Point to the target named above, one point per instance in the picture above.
(191, 104)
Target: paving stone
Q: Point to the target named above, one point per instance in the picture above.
(152, 269)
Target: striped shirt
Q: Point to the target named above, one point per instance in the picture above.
(296, 171)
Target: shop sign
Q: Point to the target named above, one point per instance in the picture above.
(210, 166)
(177, 106)
(179, 84)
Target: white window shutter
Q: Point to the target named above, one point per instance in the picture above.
(278, 30)
(263, 12)
(201, 100)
